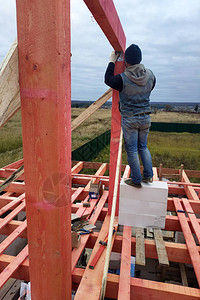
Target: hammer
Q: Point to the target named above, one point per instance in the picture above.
(103, 243)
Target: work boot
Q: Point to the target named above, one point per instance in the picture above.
(147, 179)
(130, 182)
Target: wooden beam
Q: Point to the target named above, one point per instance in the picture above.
(160, 247)
(142, 289)
(91, 109)
(125, 276)
(183, 274)
(114, 141)
(11, 178)
(45, 89)
(13, 266)
(9, 85)
(106, 16)
(176, 252)
(16, 233)
(194, 221)
(189, 190)
(91, 281)
(191, 245)
(140, 247)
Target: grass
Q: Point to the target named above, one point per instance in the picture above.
(97, 124)
(174, 117)
(170, 149)
(11, 141)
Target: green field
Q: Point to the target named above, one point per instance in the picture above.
(170, 149)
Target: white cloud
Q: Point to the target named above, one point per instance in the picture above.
(167, 32)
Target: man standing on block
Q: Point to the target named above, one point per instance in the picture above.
(134, 86)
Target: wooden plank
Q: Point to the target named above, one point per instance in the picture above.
(15, 165)
(91, 280)
(12, 214)
(14, 187)
(155, 174)
(160, 247)
(11, 178)
(125, 279)
(127, 172)
(142, 289)
(13, 266)
(193, 219)
(140, 248)
(11, 205)
(106, 16)
(190, 192)
(78, 167)
(91, 109)
(10, 289)
(9, 85)
(76, 194)
(114, 141)
(191, 245)
(192, 173)
(99, 172)
(99, 207)
(172, 222)
(22, 272)
(113, 220)
(11, 226)
(45, 89)
(183, 274)
(84, 239)
(176, 252)
(160, 172)
(16, 233)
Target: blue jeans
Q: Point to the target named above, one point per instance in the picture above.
(135, 131)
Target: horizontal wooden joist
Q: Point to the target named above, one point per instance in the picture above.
(140, 288)
(195, 204)
(176, 252)
(172, 222)
(106, 16)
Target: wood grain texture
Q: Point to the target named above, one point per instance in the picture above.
(114, 140)
(45, 88)
(160, 247)
(125, 274)
(189, 239)
(106, 16)
(9, 85)
(140, 247)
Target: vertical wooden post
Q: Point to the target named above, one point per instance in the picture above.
(160, 172)
(115, 137)
(106, 16)
(45, 89)
(181, 172)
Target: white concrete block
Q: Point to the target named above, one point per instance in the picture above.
(144, 207)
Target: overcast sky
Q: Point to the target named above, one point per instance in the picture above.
(167, 31)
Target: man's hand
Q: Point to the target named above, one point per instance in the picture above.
(113, 57)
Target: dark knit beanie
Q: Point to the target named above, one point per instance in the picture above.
(133, 55)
